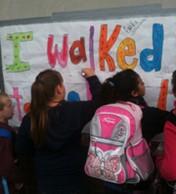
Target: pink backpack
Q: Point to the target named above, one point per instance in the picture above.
(117, 151)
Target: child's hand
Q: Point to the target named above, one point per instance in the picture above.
(87, 72)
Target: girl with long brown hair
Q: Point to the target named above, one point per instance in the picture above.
(50, 133)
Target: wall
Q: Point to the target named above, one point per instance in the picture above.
(15, 9)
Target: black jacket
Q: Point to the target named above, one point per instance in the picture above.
(59, 161)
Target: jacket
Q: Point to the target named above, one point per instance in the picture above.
(59, 160)
(166, 162)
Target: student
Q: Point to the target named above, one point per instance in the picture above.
(127, 85)
(131, 86)
(51, 132)
(166, 160)
(6, 145)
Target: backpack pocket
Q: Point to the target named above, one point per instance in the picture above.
(105, 167)
(140, 159)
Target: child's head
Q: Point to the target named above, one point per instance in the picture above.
(124, 86)
(6, 107)
(48, 86)
(174, 83)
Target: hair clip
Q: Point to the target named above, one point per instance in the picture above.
(40, 82)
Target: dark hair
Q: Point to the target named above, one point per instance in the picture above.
(42, 91)
(120, 86)
(174, 82)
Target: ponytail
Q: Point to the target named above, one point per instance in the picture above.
(42, 91)
(38, 113)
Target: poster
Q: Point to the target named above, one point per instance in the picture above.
(144, 44)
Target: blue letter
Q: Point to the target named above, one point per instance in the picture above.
(73, 96)
(156, 53)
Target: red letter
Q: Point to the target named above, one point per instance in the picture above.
(62, 56)
(17, 98)
(75, 56)
(162, 101)
(26, 107)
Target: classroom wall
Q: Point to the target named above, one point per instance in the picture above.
(18, 9)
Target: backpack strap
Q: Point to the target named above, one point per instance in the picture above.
(5, 185)
(5, 133)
